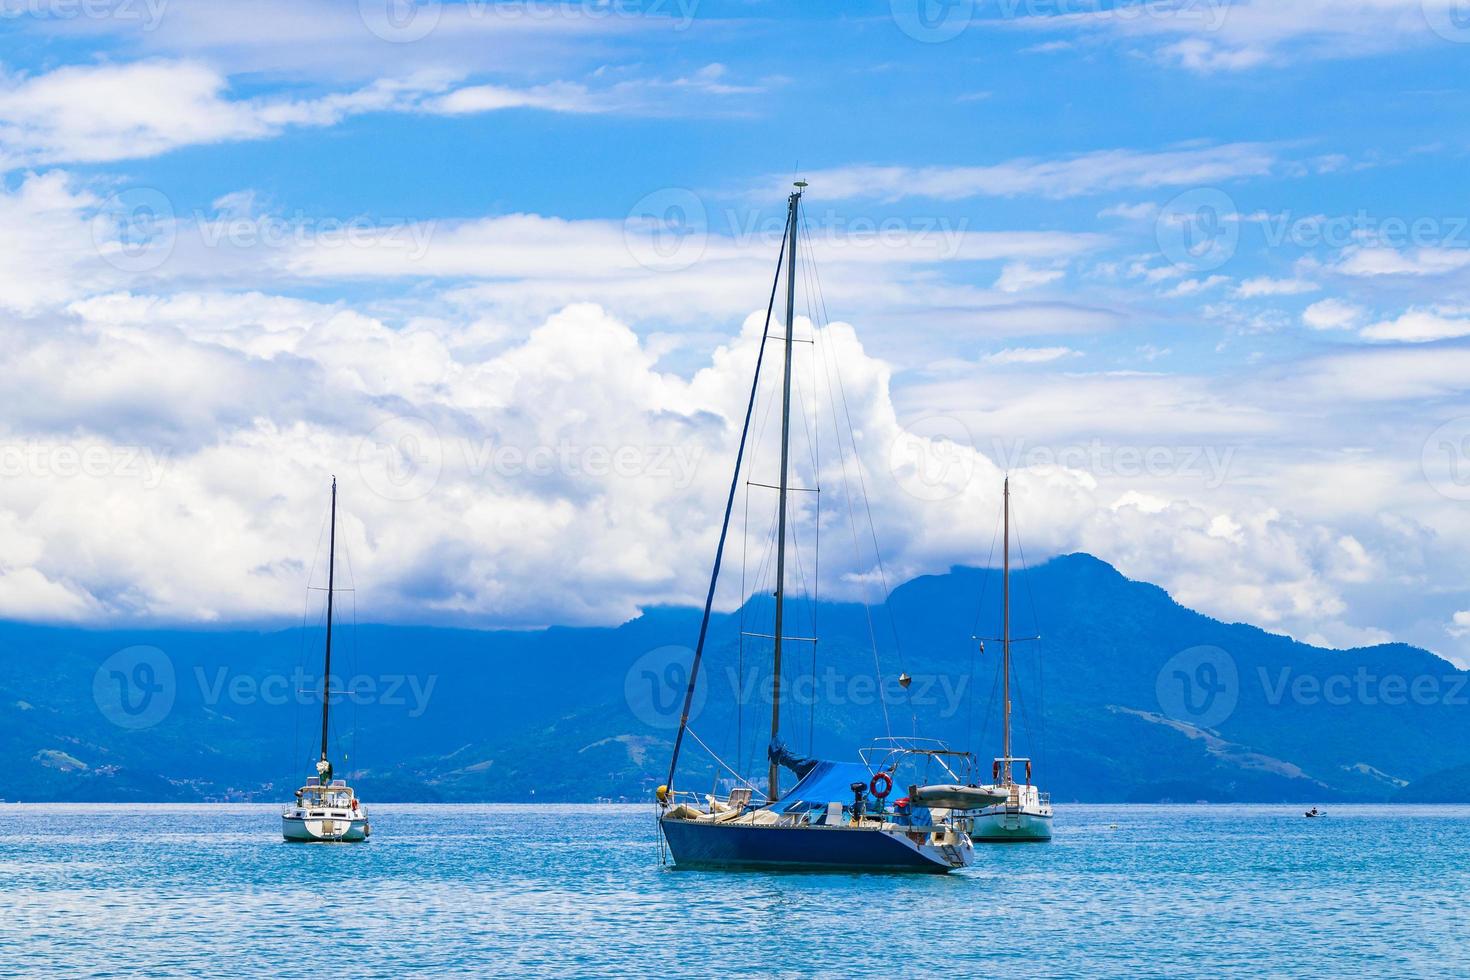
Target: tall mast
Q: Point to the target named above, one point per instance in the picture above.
(773, 790)
(1005, 634)
(327, 663)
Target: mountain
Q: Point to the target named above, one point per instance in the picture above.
(1127, 696)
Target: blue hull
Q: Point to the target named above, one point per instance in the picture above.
(697, 844)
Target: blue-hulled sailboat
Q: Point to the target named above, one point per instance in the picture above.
(837, 815)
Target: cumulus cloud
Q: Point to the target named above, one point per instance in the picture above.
(1421, 325)
(1332, 314)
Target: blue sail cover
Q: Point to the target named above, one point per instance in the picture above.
(826, 782)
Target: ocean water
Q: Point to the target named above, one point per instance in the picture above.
(211, 891)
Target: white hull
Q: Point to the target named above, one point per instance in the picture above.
(345, 829)
(1001, 823)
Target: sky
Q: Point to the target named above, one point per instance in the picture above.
(1195, 273)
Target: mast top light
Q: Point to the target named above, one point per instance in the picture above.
(800, 184)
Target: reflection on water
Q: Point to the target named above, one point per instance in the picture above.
(1229, 891)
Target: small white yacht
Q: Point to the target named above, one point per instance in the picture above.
(1024, 812)
(326, 809)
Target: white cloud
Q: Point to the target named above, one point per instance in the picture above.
(1332, 314)
(1074, 176)
(1266, 286)
(1247, 34)
(1190, 287)
(1420, 325)
(92, 113)
(1030, 355)
(1369, 261)
(1018, 276)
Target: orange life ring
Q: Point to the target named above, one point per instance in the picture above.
(887, 782)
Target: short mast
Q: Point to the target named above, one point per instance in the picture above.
(1005, 635)
(773, 788)
(324, 767)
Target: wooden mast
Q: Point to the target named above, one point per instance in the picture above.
(773, 784)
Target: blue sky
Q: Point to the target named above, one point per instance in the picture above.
(1195, 272)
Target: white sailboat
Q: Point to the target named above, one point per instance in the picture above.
(1024, 813)
(326, 809)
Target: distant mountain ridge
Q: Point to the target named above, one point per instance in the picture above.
(1128, 696)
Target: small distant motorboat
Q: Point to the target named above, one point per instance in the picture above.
(326, 809)
(1314, 812)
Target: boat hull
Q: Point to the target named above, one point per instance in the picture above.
(730, 845)
(1002, 825)
(336, 830)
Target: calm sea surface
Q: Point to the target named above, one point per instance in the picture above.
(211, 891)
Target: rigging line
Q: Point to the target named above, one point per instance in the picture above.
(1036, 625)
(301, 646)
(862, 485)
(724, 765)
(985, 576)
(856, 548)
(724, 530)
